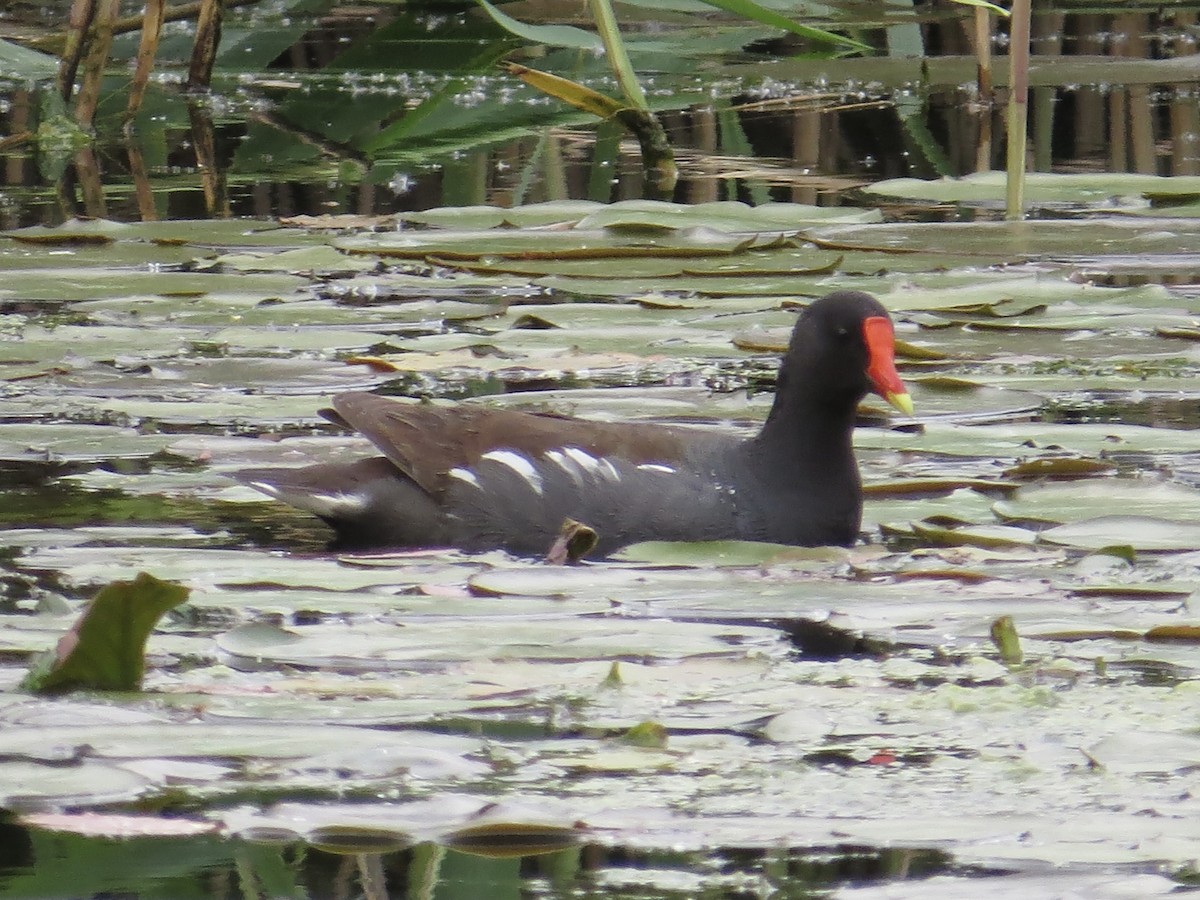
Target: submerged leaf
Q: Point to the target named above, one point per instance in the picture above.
(356, 839)
(770, 17)
(512, 840)
(553, 35)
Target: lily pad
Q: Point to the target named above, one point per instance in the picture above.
(1062, 503)
(1040, 187)
(720, 553)
(1140, 532)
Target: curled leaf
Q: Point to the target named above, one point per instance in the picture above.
(1004, 636)
(106, 647)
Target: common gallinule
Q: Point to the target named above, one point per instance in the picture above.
(473, 477)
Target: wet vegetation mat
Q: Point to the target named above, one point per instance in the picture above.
(825, 717)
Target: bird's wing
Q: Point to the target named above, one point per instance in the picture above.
(428, 442)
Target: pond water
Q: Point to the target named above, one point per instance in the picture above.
(304, 115)
(685, 720)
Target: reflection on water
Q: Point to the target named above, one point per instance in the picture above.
(35, 863)
(751, 126)
(1151, 409)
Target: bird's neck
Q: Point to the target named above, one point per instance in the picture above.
(804, 460)
(806, 428)
(799, 434)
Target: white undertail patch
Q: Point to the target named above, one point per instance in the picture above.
(519, 464)
(334, 504)
(267, 488)
(343, 503)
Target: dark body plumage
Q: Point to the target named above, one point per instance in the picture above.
(473, 477)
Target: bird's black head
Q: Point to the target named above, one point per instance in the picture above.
(842, 349)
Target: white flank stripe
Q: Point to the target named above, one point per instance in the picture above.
(518, 464)
(655, 467)
(568, 465)
(464, 475)
(583, 458)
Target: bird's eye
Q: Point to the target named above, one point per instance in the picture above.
(843, 331)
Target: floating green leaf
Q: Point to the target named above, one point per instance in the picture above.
(1140, 532)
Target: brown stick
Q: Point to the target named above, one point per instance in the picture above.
(1018, 108)
(147, 48)
(204, 51)
(87, 170)
(212, 176)
(141, 183)
(82, 14)
(99, 42)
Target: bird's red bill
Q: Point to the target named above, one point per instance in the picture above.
(881, 367)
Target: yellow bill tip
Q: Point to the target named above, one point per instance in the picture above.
(902, 402)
